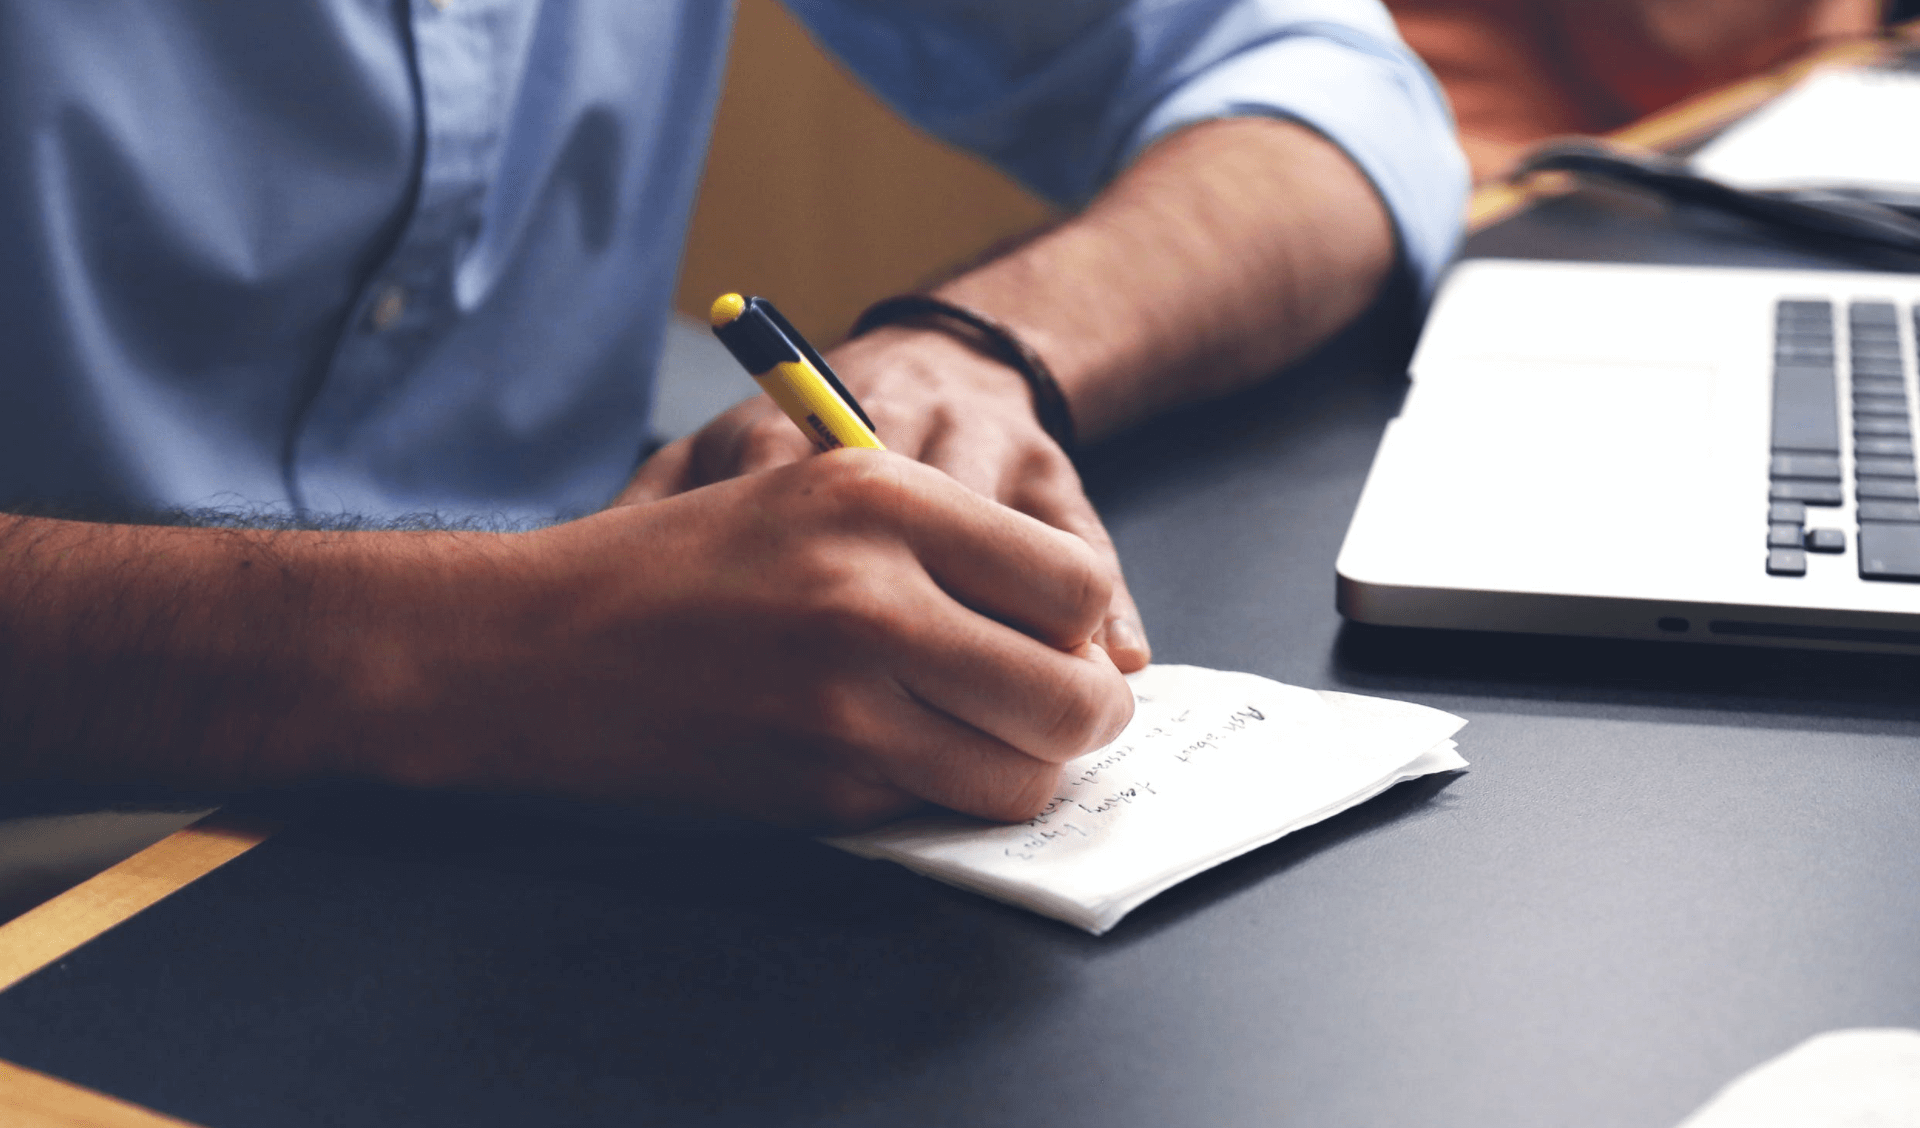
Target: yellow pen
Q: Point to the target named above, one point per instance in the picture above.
(785, 366)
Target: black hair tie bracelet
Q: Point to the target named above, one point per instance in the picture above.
(991, 339)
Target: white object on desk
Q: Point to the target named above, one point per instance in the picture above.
(1853, 128)
(1213, 765)
(1840, 1079)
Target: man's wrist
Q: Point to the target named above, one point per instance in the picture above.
(911, 363)
(425, 632)
(990, 338)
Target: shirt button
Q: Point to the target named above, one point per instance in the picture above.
(387, 308)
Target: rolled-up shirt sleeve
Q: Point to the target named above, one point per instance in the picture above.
(1064, 93)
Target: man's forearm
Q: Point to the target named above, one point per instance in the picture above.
(1225, 251)
(825, 644)
(208, 657)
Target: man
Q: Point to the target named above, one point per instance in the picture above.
(342, 261)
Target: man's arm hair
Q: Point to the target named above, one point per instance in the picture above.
(198, 647)
(1228, 249)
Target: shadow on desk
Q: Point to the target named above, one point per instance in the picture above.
(1759, 680)
(54, 837)
(516, 962)
(511, 962)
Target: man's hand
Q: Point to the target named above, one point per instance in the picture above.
(1227, 250)
(829, 643)
(825, 644)
(935, 400)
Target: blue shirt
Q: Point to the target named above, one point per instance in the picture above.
(379, 257)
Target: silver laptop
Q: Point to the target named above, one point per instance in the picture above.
(1655, 452)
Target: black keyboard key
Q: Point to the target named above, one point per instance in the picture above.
(1886, 489)
(1887, 513)
(1883, 468)
(1804, 307)
(1805, 414)
(1870, 368)
(1890, 552)
(1881, 425)
(1813, 493)
(1786, 562)
(1869, 405)
(1784, 536)
(1817, 467)
(1787, 512)
(1872, 312)
(1826, 540)
(1878, 386)
(1903, 447)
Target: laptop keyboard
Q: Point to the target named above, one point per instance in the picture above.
(1808, 484)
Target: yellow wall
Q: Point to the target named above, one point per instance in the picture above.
(817, 197)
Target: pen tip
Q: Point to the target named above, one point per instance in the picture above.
(726, 308)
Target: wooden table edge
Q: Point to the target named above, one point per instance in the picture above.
(51, 930)
(35, 1100)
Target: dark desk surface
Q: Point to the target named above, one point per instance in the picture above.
(1666, 864)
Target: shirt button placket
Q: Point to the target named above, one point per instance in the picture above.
(408, 305)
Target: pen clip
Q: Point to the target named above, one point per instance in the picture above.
(819, 362)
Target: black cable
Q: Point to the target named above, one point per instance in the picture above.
(1828, 215)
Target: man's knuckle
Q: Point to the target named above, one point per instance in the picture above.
(1026, 794)
(871, 482)
(1078, 719)
(1045, 462)
(866, 493)
(848, 608)
(832, 713)
(1090, 581)
(1118, 715)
